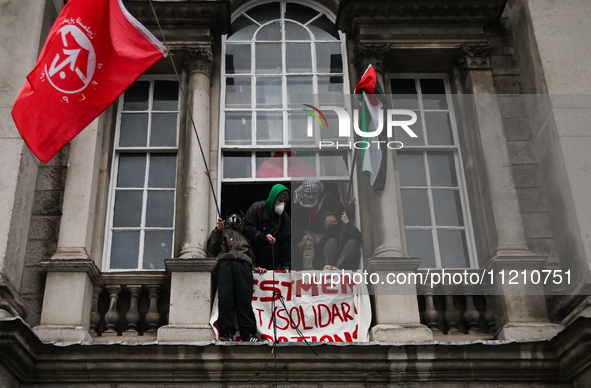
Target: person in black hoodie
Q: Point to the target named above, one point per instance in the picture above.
(334, 254)
(268, 227)
(235, 266)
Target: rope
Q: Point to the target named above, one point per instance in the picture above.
(185, 95)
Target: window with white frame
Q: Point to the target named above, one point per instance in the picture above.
(434, 200)
(280, 56)
(141, 217)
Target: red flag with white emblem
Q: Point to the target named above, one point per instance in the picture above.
(94, 51)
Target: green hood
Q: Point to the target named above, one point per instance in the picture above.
(275, 190)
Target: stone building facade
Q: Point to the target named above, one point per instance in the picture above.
(513, 74)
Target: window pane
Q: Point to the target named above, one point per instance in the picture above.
(136, 96)
(268, 58)
(163, 132)
(134, 130)
(298, 58)
(162, 171)
(415, 205)
(404, 93)
(269, 129)
(238, 92)
(238, 59)
(448, 209)
(131, 171)
(419, 243)
(299, 91)
(295, 32)
(329, 58)
(299, 13)
(269, 92)
(453, 248)
(160, 208)
(324, 29)
(433, 94)
(297, 126)
(125, 247)
(442, 169)
(330, 90)
(270, 32)
(269, 164)
(157, 247)
(238, 128)
(301, 164)
(128, 209)
(237, 165)
(264, 13)
(401, 135)
(166, 95)
(242, 29)
(438, 128)
(411, 168)
(330, 132)
(333, 163)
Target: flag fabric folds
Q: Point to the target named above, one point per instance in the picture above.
(373, 159)
(94, 51)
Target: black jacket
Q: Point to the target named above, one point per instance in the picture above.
(301, 215)
(350, 232)
(259, 223)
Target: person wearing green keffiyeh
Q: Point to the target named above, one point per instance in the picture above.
(268, 227)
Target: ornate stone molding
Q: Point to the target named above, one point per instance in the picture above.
(72, 265)
(475, 57)
(190, 265)
(199, 59)
(374, 54)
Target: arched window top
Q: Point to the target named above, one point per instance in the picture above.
(264, 22)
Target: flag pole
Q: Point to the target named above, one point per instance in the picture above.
(185, 96)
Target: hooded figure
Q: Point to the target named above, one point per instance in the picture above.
(310, 200)
(340, 247)
(236, 262)
(268, 227)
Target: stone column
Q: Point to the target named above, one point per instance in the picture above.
(506, 237)
(397, 310)
(191, 286)
(197, 190)
(190, 301)
(71, 271)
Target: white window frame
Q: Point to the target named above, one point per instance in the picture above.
(114, 175)
(253, 148)
(459, 167)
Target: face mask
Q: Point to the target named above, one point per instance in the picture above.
(279, 208)
(334, 231)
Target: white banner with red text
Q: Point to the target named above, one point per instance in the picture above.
(322, 310)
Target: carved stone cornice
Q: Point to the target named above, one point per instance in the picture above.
(72, 265)
(374, 54)
(198, 60)
(475, 56)
(356, 13)
(190, 265)
(213, 15)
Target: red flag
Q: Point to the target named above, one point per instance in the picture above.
(94, 51)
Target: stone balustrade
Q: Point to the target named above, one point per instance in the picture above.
(456, 310)
(132, 305)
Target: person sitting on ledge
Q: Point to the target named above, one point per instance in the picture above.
(340, 248)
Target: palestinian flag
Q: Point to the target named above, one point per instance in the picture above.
(373, 159)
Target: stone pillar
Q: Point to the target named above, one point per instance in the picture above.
(197, 188)
(191, 286)
(190, 301)
(21, 28)
(71, 271)
(396, 307)
(506, 237)
(384, 216)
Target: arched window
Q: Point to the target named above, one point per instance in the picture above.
(280, 56)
